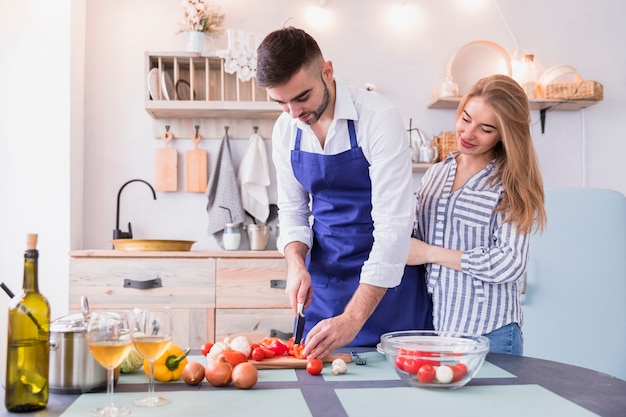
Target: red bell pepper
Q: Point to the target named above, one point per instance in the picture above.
(275, 345)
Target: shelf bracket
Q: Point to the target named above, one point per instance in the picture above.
(542, 118)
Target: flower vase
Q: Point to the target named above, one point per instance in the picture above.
(195, 41)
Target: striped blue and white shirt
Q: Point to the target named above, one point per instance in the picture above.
(486, 294)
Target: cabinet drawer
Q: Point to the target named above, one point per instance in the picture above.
(255, 324)
(185, 282)
(192, 326)
(251, 283)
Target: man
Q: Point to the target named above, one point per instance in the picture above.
(344, 150)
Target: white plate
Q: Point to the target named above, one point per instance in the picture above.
(153, 83)
(476, 60)
(167, 86)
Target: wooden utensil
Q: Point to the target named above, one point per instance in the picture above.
(166, 165)
(289, 362)
(196, 167)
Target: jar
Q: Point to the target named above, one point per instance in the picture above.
(231, 237)
(529, 76)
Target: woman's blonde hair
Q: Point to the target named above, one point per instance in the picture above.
(516, 160)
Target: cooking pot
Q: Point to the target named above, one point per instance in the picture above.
(73, 370)
(258, 235)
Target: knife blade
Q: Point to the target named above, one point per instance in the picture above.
(299, 324)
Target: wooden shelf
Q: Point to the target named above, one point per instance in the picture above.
(160, 109)
(209, 91)
(539, 104)
(543, 105)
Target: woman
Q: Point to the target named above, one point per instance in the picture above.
(475, 212)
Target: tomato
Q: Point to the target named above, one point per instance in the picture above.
(257, 354)
(205, 348)
(426, 374)
(411, 365)
(400, 362)
(458, 371)
(314, 366)
(233, 356)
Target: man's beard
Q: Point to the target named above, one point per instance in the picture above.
(317, 113)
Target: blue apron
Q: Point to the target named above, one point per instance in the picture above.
(341, 192)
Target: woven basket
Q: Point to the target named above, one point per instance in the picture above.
(445, 143)
(577, 90)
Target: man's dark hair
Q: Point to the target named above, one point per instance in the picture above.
(283, 53)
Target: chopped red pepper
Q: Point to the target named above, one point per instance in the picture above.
(275, 345)
(296, 350)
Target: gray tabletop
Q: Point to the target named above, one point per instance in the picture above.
(527, 381)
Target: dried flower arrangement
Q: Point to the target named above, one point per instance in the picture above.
(200, 16)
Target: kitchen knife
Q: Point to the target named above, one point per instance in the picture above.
(299, 325)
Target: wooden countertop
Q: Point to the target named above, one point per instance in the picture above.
(103, 253)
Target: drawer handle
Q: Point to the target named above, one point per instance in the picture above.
(143, 285)
(278, 283)
(280, 335)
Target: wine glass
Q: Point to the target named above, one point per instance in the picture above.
(152, 335)
(108, 337)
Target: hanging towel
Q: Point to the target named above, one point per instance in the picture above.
(223, 193)
(254, 178)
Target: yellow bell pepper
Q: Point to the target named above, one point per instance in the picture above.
(168, 367)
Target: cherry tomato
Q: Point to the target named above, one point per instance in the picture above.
(205, 348)
(411, 365)
(458, 371)
(426, 374)
(314, 366)
(257, 354)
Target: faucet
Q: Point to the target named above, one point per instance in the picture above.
(117, 233)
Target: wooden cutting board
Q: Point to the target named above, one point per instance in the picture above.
(289, 362)
(166, 166)
(196, 168)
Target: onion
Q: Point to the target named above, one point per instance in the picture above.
(193, 373)
(218, 372)
(245, 375)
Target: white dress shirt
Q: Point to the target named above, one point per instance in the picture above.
(383, 139)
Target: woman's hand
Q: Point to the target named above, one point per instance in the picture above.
(417, 252)
(422, 253)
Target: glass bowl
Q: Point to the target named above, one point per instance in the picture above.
(431, 359)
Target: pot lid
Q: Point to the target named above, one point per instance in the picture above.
(74, 323)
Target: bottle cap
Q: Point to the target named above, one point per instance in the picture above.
(31, 241)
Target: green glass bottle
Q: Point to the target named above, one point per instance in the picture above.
(28, 346)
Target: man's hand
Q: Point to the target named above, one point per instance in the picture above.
(336, 332)
(298, 277)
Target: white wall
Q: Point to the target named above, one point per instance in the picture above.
(578, 148)
(40, 123)
(34, 138)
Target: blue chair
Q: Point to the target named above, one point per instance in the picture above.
(575, 299)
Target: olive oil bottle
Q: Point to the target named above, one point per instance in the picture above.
(28, 347)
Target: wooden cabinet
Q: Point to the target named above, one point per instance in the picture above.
(211, 294)
(250, 298)
(186, 285)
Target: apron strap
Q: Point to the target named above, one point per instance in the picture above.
(352, 133)
(298, 137)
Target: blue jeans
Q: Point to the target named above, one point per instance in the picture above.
(506, 339)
